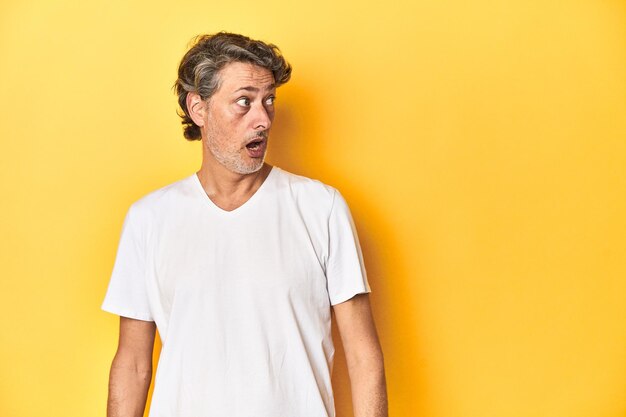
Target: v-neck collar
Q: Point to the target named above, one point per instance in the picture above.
(249, 202)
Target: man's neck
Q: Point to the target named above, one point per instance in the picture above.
(229, 190)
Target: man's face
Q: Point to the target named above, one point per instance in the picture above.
(238, 117)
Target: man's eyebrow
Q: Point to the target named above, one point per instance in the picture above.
(254, 89)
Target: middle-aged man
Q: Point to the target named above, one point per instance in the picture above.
(239, 266)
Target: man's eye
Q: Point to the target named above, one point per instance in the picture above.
(270, 100)
(244, 101)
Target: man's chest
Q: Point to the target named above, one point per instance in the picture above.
(271, 258)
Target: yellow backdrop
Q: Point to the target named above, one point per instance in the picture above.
(481, 146)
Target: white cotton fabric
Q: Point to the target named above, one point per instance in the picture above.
(241, 299)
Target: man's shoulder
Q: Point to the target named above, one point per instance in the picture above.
(301, 187)
(303, 183)
(166, 197)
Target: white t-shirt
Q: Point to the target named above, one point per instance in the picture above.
(241, 299)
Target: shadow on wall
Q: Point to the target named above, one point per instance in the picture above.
(295, 139)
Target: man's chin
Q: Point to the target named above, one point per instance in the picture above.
(241, 164)
(247, 169)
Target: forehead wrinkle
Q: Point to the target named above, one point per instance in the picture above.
(253, 84)
(253, 89)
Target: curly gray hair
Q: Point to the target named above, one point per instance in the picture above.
(199, 69)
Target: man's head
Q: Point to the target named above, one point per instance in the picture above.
(200, 69)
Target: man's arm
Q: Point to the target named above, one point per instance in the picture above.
(364, 356)
(131, 370)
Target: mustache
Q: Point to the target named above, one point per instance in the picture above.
(261, 134)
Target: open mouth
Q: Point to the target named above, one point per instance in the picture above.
(255, 144)
(256, 147)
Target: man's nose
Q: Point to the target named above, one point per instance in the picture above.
(261, 117)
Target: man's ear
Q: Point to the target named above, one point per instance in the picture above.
(196, 107)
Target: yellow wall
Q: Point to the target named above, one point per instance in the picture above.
(481, 146)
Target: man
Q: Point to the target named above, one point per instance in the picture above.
(239, 266)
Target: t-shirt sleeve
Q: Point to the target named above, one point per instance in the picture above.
(127, 295)
(345, 269)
